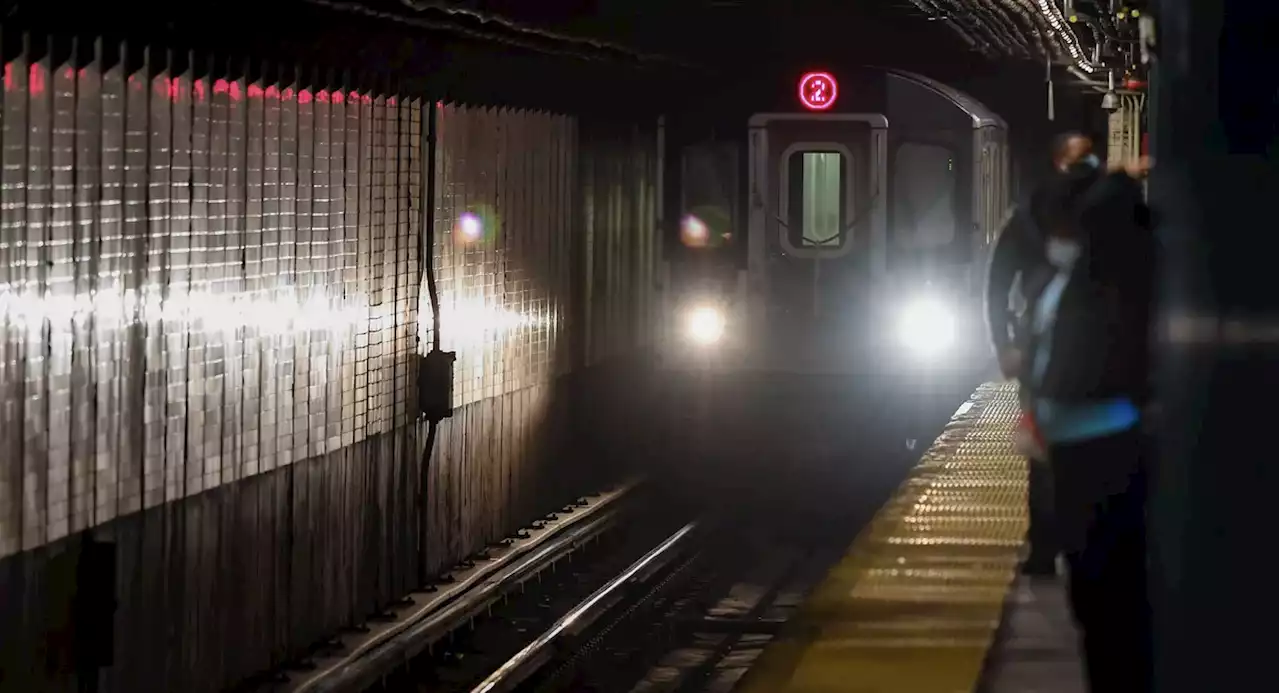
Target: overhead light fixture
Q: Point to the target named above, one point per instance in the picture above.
(1110, 101)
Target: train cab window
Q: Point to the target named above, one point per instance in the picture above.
(816, 199)
(709, 195)
(924, 196)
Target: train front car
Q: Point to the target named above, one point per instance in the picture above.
(867, 213)
(824, 295)
(823, 283)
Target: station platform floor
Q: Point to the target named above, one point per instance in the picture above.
(928, 598)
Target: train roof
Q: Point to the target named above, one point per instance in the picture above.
(981, 115)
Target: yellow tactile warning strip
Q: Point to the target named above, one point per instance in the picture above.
(914, 605)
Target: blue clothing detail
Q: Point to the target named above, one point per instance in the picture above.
(1074, 422)
(1062, 422)
(1042, 323)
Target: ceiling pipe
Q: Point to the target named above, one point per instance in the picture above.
(1087, 79)
(1097, 28)
(1066, 37)
(1099, 88)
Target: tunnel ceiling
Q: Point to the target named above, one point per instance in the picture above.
(953, 41)
(727, 46)
(1087, 35)
(932, 36)
(740, 34)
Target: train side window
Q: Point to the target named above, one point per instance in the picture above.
(816, 193)
(709, 194)
(924, 196)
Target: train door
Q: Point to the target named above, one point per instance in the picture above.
(817, 218)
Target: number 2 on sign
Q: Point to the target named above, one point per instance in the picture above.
(817, 91)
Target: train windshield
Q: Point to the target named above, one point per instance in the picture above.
(710, 195)
(817, 185)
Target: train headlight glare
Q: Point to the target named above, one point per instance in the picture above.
(927, 327)
(705, 324)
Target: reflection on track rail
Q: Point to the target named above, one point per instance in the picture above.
(690, 614)
(703, 625)
(581, 617)
(509, 623)
(361, 657)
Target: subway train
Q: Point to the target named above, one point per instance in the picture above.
(823, 301)
(844, 234)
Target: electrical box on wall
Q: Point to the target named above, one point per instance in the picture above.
(435, 384)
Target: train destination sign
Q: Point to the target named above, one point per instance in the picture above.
(818, 91)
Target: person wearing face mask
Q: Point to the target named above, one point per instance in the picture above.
(1087, 378)
(1019, 257)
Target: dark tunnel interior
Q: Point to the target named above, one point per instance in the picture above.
(312, 309)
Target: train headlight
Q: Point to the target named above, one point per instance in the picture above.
(704, 324)
(927, 327)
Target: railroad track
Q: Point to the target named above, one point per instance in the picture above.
(700, 625)
(522, 633)
(690, 613)
(427, 620)
(692, 622)
(626, 591)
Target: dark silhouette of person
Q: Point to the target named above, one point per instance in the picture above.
(1086, 371)
(1019, 257)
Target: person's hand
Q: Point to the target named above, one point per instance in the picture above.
(1010, 362)
(1138, 168)
(1134, 168)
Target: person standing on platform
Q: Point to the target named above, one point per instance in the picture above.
(1087, 373)
(1019, 257)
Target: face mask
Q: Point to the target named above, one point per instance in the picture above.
(1062, 253)
(1086, 165)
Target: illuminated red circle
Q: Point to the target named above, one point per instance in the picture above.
(818, 91)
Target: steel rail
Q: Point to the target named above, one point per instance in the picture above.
(442, 612)
(525, 662)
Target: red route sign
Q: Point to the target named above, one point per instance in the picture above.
(818, 91)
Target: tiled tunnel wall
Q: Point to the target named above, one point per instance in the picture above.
(210, 307)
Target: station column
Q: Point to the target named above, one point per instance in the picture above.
(1213, 126)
